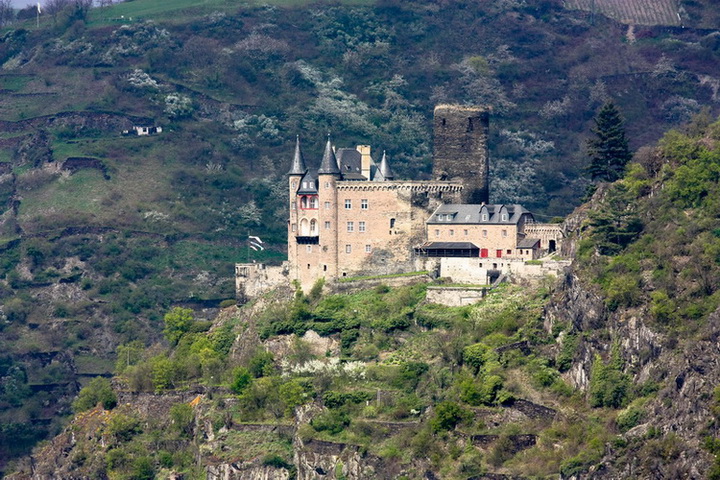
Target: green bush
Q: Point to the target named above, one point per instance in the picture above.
(609, 386)
(333, 421)
(241, 380)
(447, 416)
(98, 392)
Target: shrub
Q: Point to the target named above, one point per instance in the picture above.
(447, 416)
(333, 421)
(241, 380)
(98, 392)
(609, 386)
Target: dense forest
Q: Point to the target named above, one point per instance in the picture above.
(103, 234)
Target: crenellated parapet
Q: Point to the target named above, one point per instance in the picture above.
(416, 186)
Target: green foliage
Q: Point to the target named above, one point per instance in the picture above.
(333, 421)
(262, 364)
(241, 380)
(123, 427)
(178, 322)
(608, 150)
(333, 399)
(609, 386)
(182, 417)
(447, 416)
(475, 355)
(98, 392)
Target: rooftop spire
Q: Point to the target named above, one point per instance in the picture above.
(329, 165)
(298, 164)
(385, 171)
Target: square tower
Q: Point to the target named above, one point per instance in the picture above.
(461, 149)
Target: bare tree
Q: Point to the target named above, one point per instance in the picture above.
(7, 14)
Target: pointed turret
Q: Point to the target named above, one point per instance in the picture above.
(385, 171)
(298, 164)
(329, 165)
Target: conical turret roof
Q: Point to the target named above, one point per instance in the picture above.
(298, 164)
(385, 171)
(329, 165)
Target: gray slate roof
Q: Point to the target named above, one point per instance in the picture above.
(308, 183)
(298, 164)
(528, 243)
(473, 214)
(329, 164)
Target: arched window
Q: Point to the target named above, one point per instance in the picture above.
(304, 202)
(304, 227)
(313, 202)
(313, 227)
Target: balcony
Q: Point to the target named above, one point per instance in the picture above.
(308, 240)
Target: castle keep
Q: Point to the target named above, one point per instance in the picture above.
(461, 149)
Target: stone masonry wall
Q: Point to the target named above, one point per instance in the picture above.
(461, 149)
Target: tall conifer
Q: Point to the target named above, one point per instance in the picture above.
(608, 150)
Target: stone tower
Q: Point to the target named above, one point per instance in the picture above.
(461, 149)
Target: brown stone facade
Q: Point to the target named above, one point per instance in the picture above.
(361, 227)
(461, 149)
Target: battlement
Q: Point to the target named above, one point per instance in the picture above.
(412, 186)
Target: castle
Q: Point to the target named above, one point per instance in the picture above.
(351, 217)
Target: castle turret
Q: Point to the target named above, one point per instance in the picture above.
(385, 172)
(461, 149)
(328, 176)
(298, 169)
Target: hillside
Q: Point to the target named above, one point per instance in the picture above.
(608, 372)
(102, 234)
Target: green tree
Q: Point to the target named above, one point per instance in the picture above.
(608, 149)
(241, 380)
(182, 417)
(178, 322)
(98, 391)
(447, 416)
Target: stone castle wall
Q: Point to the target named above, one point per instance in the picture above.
(461, 149)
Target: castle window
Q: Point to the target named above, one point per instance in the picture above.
(327, 225)
(452, 233)
(484, 217)
(437, 233)
(484, 234)
(294, 227)
(324, 268)
(465, 232)
(348, 248)
(313, 202)
(348, 204)
(470, 125)
(392, 223)
(327, 205)
(363, 204)
(327, 184)
(504, 217)
(504, 233)
(509, 252)
(308, 248)
(294, 184)
(368, 248)
(313, 226)
(304, 202)
(350, 226)
(293, 206)
(361, 226)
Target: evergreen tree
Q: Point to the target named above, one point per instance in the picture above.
(608, 150)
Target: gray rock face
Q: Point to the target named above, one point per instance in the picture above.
(669, 442)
